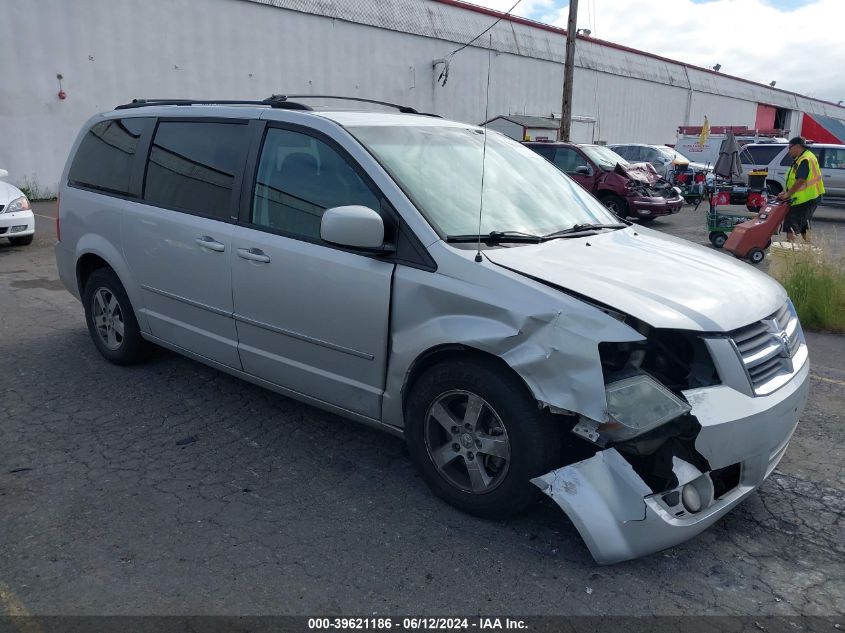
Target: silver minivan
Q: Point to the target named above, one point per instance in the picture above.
(445, 285)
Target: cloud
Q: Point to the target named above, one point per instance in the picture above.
(798, 44)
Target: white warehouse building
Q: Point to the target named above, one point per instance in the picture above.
(108, 52)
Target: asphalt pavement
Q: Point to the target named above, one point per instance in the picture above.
(171, 488)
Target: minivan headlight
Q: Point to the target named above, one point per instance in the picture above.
(637, 405)
(18, 204)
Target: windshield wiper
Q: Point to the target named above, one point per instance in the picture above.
(581, 228)
(498, 237)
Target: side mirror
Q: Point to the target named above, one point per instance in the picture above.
(583, 170)
(3, 173)
(354, 226)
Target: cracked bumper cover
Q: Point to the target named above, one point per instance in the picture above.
(620, 517)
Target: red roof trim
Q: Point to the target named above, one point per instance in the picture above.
(554, 29)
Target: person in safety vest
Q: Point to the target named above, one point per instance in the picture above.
(804, 188)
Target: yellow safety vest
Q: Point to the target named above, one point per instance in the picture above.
(813, 186)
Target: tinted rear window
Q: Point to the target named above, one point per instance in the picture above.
(104, 158)
(759, 154)
(193, 164)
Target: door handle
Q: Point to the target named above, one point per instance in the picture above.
(210, 243)
(254, 255)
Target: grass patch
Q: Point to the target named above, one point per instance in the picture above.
(815, 281)
(34, 191)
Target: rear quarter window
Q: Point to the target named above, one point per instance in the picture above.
(106, 154)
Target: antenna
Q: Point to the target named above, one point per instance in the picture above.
(484, 148)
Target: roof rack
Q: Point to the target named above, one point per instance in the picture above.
(275, 101)
(282, 102)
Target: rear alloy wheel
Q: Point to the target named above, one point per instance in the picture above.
(756, 255)
(478, 438)
(111, 319)
(718, 239)
(615, 204)
(21, 241)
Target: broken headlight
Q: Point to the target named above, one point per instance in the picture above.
(639, 404)
(635, 405)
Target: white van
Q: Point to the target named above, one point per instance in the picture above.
(708, 153)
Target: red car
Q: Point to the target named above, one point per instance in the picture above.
(628, 189)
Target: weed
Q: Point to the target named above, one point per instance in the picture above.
(34, 191)
(815, 281)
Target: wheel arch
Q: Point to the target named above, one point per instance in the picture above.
(446, 352)
(94, 252)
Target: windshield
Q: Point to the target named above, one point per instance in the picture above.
(439, 168)
(603, 156)
(673, 155)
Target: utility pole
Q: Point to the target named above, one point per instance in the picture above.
(568, 68)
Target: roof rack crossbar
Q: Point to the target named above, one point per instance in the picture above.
(273, 102)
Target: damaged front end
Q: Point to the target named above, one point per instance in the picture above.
(646, 193)
(681, 443)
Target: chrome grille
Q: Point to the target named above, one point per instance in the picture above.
(767, 347)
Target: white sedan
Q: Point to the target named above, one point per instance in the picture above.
(16, 219)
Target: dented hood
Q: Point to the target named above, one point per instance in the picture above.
(664, 281)
(643, 172)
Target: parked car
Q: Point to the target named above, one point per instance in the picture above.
(663, 158)
(776, 159)
(336, 257)
(16, 220)
(629, 190)
(689, 145)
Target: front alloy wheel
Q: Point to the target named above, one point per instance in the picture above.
(467, 442)
(478, 437)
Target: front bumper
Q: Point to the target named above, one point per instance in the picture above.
(653, 206)
(18, 224)
(620, 517)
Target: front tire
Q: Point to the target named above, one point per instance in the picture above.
(111, 319)
(478, 437)
(616, 204)
(21, 241)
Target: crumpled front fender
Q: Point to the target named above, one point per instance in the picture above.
(549, 338)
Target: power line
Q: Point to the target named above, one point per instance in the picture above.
(502, 17)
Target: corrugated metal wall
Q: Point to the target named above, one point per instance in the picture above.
(110, 51)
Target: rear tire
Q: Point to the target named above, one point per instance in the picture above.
(478, 437)
(111, 319)
(718, 239)
(756, 255)
(21, 241)
(616, 204)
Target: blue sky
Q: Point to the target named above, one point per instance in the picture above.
(797, 43)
